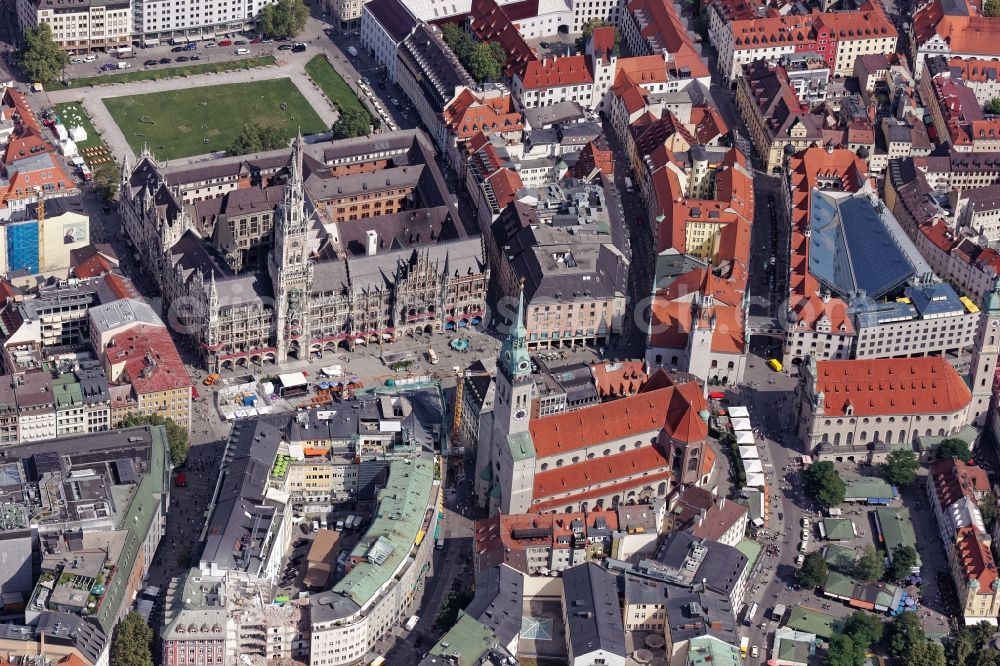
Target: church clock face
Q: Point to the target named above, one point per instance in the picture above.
(520, 414)
(523, 366)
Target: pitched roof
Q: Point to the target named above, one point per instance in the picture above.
(490, 23)
(871, 387)
(673, 409)
(557, 72)
(151, 359)
(554, 483)
(975, 560)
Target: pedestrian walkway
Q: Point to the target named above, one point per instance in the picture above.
(290, 68)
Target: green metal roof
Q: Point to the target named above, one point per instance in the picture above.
(839, 584)
(751, 549)
(814, 622)
(521, 446)
(863, 488)
(838, 529)
(710, 651)
(896, 528)
(840, 557)
(137, 519)
(795, 651)
(401, 508)
(467, 640)
(67, 391)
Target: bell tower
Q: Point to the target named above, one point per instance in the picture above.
(983, 365)
(514, 384)
(289, 264)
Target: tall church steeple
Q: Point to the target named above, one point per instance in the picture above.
(514, 358)
(986, 348)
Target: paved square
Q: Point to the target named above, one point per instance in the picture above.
(195, 121)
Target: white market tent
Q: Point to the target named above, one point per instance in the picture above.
(755, 480)
(741, 424)
(78, 133)
(292, 379)
(753, 466)
(749, 453)
(738, 412)
(744, 437)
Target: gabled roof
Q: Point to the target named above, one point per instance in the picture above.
(557, 73)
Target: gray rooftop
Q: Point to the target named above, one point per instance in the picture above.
(498, 602)
(593, 614)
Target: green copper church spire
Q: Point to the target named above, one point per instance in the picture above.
(514, 356)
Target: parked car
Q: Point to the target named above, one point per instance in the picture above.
(178, 49)
(240, 42)
(799, 559)
(298, 543)
(210, 45)
(284, 47)
(256, 40)
(183, 59)
(226, 42)
(395, 102)
(191, 47)
(165, 61)
(196, 57)
(150, 63)
(89, 58)
(108, 67)
(298, 48)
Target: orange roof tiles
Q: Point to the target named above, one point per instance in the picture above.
(718, 519)
(673, 409)
(708, 123)
(874, 387)
(505, 184)
(599, 471)
(976, 69)
(93, 266)
(954, 480)
(966, 32)
(557, 72)
(757, 33)
(642, 70)
(26, 145)
(868, 22)
(664, 28)
(152, 363)
(974, 559)
(618, 379)
(466, 114)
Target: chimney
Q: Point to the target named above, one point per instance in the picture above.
(372, 242)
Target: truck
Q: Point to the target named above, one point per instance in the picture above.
(432, 356)
(340, 526)
(411, 623)
(353, 51)
(125, 52)
(744, 646)
(353, 522)
(751, 613)
(124, 65)
(778, 612)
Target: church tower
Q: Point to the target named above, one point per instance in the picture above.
(511, 449)
(983, 364)
(289, 267)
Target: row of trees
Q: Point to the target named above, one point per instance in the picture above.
(861, 631)
(483, 61)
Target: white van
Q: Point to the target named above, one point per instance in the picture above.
(75, 61)
(315, 526)
(89, 58)
(242, 51)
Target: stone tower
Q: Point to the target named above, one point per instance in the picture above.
(983, 364)
(513, 400)
(289, 266)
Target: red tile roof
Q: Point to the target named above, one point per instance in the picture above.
(719, 518)
(26, 145)
(152, 363)
(120, 286)
(874, 387)
(512, 533)
(976, 69)
(975, 560)
(664, 28)
(612, 468)
(672, 409)
(869, 22)
(467, 114)
(618, 379)
(490, 23)
(966, 32)
(622, 487)
(505, 184)
(557, 72)
(954, 480)
(93, 266)
(22, 183)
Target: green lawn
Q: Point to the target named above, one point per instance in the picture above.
(93, 150)
(330, 82)
(170, 72)
(195, 121)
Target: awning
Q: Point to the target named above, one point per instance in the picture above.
(291, 379)
(151, 42)
(753, 466)
(755, 480)
(749, 453)
(739, 412)
(717, 395)
(744, 437)
(740, 423)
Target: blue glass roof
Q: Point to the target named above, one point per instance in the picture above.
(850, 248)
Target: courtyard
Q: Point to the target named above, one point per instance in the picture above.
(195, 121)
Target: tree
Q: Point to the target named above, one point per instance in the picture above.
(253, 139)
(813, 571)
(991, 8)
(904, 558)
(844, 651)
(865, 629)
(483, 61)
(41, 57)
(825, 484)
(284, 18)
(132, 642)
(970, 646)
(953, 447)
(908, 644)
(870, 566)
(177, 437)
(901, 467)
(352, 122)
(106, 180)
(993, 106)
(988, 507)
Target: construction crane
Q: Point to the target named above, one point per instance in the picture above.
(456, 423)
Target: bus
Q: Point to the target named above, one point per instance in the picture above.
(748, 618)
